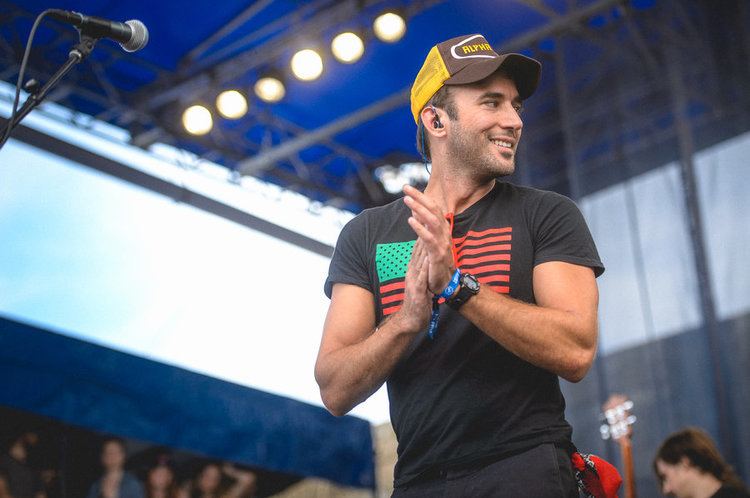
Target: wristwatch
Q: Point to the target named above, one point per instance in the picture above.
(468, 287)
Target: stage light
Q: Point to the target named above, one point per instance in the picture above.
(197, 120)
(347, 47)
(389, 27)
(270, 89)
(393, 178)
(307, 65)
(231, 104)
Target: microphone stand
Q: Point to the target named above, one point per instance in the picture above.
(77, 54)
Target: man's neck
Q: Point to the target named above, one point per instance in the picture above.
(455, 194)
(114, 472)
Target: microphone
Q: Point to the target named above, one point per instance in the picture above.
(131, 35)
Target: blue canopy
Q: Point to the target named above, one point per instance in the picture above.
(106, 390)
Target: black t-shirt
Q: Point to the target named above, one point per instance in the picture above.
(727, 491)
(461, 397)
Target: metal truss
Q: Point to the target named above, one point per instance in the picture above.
(620, 100)
(572, 132)
(665, 83)
(151, 113)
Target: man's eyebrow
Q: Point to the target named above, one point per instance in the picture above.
(498, 96)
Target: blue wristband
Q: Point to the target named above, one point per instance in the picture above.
(452, 285)
(434, 318)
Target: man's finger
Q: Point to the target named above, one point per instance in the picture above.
(423, 213)
(420, 229)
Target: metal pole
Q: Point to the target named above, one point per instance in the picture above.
(695, 225)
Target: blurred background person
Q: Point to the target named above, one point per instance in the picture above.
(116, 482)
(226, 481)
(688, 465)
(160, 480)
(22, 480)
(4, 486)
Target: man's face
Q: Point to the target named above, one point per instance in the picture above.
(675, 479)
(210, 478)
(113, 455)
(485, 136)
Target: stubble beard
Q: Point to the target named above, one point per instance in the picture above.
(473, 153)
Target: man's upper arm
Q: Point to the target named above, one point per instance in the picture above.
(570, 288)
(350, 318)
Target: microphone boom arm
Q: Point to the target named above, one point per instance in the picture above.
(77, 54)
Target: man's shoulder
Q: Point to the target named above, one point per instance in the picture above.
(531, 193)
(531, 199)
(373, 221)
(393, 207)
(378, 214)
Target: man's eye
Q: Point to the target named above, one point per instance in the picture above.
(518, 108)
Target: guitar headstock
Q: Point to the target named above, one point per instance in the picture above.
(618, 419)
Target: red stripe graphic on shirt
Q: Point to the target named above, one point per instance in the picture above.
(483, 233)
(475, 259)
(391, 287)
(485, 254)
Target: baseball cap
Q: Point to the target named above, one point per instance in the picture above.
(468, 59)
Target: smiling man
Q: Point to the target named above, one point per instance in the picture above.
(469, 299)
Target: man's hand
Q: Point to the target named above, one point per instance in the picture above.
(416, 308)
(434, 232)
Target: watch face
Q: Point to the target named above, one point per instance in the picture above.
(470, 282)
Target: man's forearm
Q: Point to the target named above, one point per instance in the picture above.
(563, 342)
(349, 375)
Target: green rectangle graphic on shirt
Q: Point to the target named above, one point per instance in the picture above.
(392, 259)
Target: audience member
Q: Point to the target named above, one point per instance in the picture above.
(226, 481)
(688, 465)
(115, 482)
(22, 480)
(160, 480)
(4, 486)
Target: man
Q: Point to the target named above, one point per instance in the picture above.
(469, 299)
(116, 482)
(688, 465)
(22, 480)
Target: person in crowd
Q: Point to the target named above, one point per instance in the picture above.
(688, 465)
(160, 480)
(470, 299)
(116, 482)
(223, 481)
(4, 486)
(22, 480)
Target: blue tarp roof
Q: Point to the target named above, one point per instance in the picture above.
(339, 169)
(109, 391)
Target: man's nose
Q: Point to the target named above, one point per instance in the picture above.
(511, 119)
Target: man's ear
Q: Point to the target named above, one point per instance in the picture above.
(432, 121)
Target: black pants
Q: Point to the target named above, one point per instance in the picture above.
(542, 472)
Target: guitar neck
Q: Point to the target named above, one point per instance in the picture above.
(626, 452)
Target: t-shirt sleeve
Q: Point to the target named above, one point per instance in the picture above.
(349, 261)
(562, 234)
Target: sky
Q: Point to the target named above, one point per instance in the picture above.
(98, 259)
